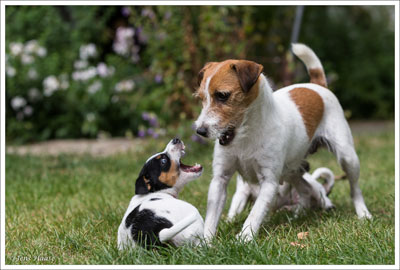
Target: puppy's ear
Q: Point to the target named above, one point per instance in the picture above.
(248, 73)
(143, 185)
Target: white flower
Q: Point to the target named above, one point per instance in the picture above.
(27, 59)
(31, 46)
(50, 84)
(125, 86)
(80, 64)
(32, 74)
(124, 40)
(104, 71)
(90, 117)
(87, 51)
(28, 110)
(16, 48)
(33, 93)
(84, 75)
(42, 52)
(94, 87)
(17, 102)
(10, 71)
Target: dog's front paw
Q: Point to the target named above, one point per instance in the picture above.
(245, 236)
(208, 237)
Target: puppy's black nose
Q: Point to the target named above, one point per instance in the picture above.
(175, 141)
(202, 131)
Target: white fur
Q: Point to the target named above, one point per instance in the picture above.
(270, 145)
(188, 225)
(286, 195)
(307, 56)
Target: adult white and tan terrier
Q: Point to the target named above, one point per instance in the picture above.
(264, 135)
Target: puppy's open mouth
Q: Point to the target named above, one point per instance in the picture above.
(190, 169)
(227, 136)
(186, 168)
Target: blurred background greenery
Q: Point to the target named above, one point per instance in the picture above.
(87, 71)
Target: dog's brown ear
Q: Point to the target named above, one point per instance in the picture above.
(143, 185)
(248, 73)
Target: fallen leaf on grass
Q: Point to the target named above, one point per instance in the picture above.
(302, 235)
(295, 244)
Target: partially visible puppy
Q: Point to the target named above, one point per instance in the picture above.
(155, 215)
(287, 196)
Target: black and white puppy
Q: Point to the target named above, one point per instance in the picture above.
(155, 215)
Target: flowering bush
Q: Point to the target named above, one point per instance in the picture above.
(74, 71)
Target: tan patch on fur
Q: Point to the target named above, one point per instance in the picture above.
(225, 79)
(317, 76)
(158, 157)
(169, 178)
(311, 108)
(147, 182)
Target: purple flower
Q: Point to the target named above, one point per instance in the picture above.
(141, 35)
(150, 131)
(153, 121)
(155, 135)
(158, 78)
(148, 12)
(141, 133)
(126, 11)
(145, 116)
(167, 15)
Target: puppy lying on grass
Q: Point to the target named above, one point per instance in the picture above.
(155, 215)
(287, 196)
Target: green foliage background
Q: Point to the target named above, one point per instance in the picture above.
(354, 43)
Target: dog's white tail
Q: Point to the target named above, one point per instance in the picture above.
(168, 234)
(313, 65)
(328, 175)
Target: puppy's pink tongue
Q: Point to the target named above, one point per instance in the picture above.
(195, 168)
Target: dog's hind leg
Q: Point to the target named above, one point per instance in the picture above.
(349, 162)
(240, 198)
(340, 142)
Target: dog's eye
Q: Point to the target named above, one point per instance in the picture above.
(222, 96)
(163, 161)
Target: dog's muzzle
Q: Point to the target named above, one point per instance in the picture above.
(202, 131)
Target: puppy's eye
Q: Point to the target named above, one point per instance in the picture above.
(222, 96)
(163, 161)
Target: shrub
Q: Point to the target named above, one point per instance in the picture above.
(74, 71)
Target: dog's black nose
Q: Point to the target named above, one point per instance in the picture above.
(175, 141)
(202, 131)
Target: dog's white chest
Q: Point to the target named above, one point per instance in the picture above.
(247, 168)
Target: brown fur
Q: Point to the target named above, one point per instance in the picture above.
(317, 76)
(226, 79)
(169, 178)
(147, 182)
(311, 108)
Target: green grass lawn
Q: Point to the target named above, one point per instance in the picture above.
(66, 210)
